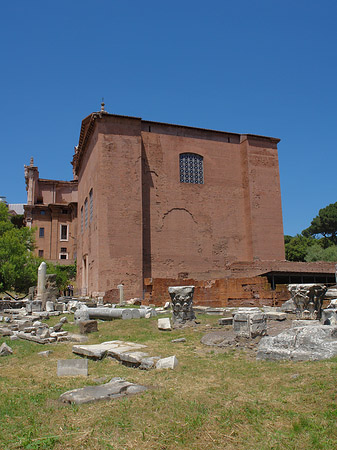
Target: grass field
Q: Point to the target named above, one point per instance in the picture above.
(213, 400)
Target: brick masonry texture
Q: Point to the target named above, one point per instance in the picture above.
(147, 224)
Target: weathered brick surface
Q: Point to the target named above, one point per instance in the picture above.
(147, 224)
(222, 292)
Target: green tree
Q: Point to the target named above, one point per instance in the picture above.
(64, 274)
(296, 247)
(317, 253)
(18, 266)
(324, 224)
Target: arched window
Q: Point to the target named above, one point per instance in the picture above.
(191, 168)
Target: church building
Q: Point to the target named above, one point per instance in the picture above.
(164, 201)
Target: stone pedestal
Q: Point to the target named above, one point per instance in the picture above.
(250, 325)
(182, 304)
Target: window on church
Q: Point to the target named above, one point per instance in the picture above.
(86, 212)
(41, 232)
(82, 219)
(191, 168)
(40, 253)
(64, 232)
(91, 205)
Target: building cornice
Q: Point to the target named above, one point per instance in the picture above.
(88, 125)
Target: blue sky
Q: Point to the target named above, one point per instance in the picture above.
(262, 67)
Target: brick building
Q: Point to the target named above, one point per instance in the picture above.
(52, 209)
(154, 204)
(163, 201)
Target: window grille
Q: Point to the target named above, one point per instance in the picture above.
(86, 213)
(91, 204)
(191, 168)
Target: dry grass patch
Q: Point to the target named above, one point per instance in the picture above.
(213, 400)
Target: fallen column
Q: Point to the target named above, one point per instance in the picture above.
(110, 313)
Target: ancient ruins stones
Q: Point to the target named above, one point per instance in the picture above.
(88, 326)
(5, 350)
(125, 352)
(182, 303)
(308, 298)
(117, 387)
(167, 363)
(164, 324)
(300, 344)
(110, 348)
(249, 325)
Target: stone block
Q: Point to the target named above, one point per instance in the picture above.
(148, 363)
(167, 363)
(72, 367)
(164, 324)
(81, 315)
(132, 359)
(49, 306)
(59, 307)
(275, 315)
(226, 321)
(57, 327)
(88, 326)
(249, 325)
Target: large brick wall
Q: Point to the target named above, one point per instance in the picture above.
(254, 291)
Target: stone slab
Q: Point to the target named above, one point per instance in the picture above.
(117, 387)
(176, 341)
(164, 324)
(110, 348)
(72, 367)
(132, 358)
(30, 337)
